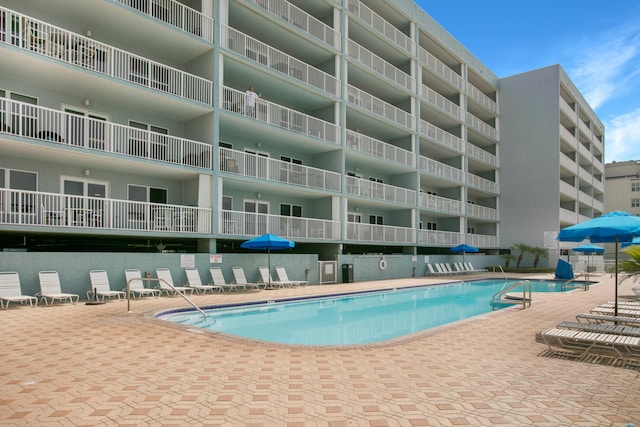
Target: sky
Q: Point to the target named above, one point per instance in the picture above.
(596, 42)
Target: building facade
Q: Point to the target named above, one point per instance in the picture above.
(127, 126)
(622, 185)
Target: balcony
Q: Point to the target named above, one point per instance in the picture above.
(441, 103)
(482, 184)
(482, 241)
(442, 137)
(302, 20)
(439, 68)
(439, 238)
(175, 14)
(235, 223)
(381, 26)
(437, 169)
(234, 100)
(61, 45)
(380, 149)
(375, 190)
(59, 128)
(32, 208)
(380, 107)
(481, 212)
(568, 217)
(481, 99)
(264, 168)
(440, 204)
(380, 233)
(477, 153)
(380, 66)
(253, 49)
(482, 127)
(568, 136)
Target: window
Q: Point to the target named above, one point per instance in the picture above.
(635, 203)
(374, 179)
(471, 230)
(431, 226)
(139, 193)
(20, 180)
(291, 160)
(376, 219)
(291, 210)
(157, 142)
(354, 217)
(635, 186)
(227, 203)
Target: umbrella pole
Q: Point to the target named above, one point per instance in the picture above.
(615, 311)
(269, 265)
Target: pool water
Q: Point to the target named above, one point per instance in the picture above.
(354, 318)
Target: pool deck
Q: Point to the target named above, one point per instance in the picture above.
(101, 366)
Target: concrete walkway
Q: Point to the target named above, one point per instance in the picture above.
(102, 366)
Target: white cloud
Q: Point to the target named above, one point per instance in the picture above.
(622, 137)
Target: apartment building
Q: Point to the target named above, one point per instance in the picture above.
(622, 185)
(552, 151)
(126, 126)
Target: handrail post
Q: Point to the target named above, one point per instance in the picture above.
(150, 279)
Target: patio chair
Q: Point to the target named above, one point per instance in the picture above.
(193, 281)
(217, 278)
(50, 289)
(606, 328)
(165, 283)
(10, 290)
(636, 290)
(284, 277)
(267, 281)
(241, 279)
(472, 269)
(431, 271)
(100, 288)
(136, 285)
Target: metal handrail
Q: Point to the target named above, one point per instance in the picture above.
(526, 285)
(566, 285)
(150, 279)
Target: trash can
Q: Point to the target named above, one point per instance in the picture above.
(347, 273)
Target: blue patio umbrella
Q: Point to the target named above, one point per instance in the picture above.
(268, 242)
(612, 227)
(589, 249)
(635, 241)
(464, 248)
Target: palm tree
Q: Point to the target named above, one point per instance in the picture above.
(537, 253)
(507, 259)
(631, 267)
(523, 248)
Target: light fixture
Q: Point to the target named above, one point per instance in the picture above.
(259, 196)
(88, 33)
(87, 172)
(87, 102)
(258, 144)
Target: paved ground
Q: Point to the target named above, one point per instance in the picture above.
(100, 365)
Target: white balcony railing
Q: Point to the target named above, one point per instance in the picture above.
(380, 149)
(378, 106)
(567, 216)
(234, 100)
(439, 68)
(380, 233)
(302, 20)
(475, 152)
(568, 136)
(482, 127)
(268, 169)
(441, 136)
(381, 26)
(481, 99)
(176, 14)
(568, 163)
(380, 66)
(568, 189)
(482, 241)
(254, 224)
(375, 190)
(482, 212)
(441, 170)
(441, 204)
(264, 54)
(440, 102)
(57, 127)
(482, 184)
(439, 238)
(32, 208)
(61, 45)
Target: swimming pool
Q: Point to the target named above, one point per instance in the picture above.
(359, 318)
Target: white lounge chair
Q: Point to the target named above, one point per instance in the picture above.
(136, 286)
(241, 279)
(100, 287)
(431, 271)
(10, 290)
(636, 290)
(606, 328)
(472, 269)
(217, 278)
(267, 281)
(284, 277)
(193, 281)
(166, 285)
(50, 289)
(460, 268)
(580, 343)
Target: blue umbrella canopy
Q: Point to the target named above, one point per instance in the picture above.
(268, 242)
(464, 248)
(589, 249)
(611, 227)
(635, 241)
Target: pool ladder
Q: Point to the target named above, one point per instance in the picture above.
(153, 279)
(500, 297)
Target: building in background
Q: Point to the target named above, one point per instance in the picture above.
(622, 185)
(126, 126)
